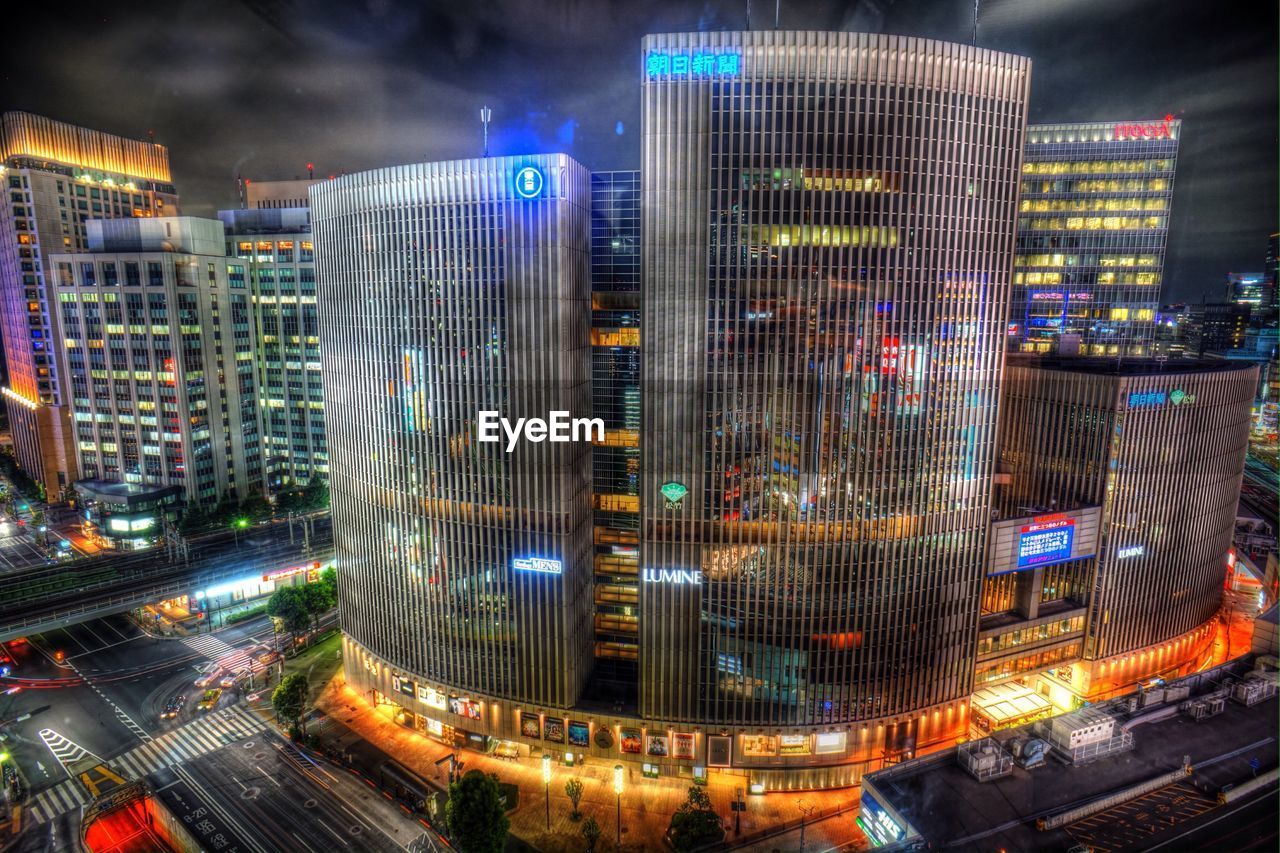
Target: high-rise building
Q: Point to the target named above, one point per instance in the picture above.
(1155, 452)
(615, 462)
(1218, 327)
(447, 291)
(276, 249)
(57, 176)
(1271, 269)
(827, 243)
(1092, 227)
(1252, 290)
(156, 352)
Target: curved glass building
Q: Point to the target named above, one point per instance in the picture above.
(778, 574)
(827, 240)
(449, 290)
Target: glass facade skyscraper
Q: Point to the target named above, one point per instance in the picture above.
(1093, 222)
(447, 290)
(827, 242)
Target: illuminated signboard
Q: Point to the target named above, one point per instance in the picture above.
(674, 493)
(700, 65)
(1146, 399)
(431, 697)
(1045, 541)
(1131, 551)
(540, 565)
(876, 823)
(529, 182)
(1145, 130)
(1046, 294)
(672, 576)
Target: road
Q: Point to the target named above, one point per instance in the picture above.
(105, 697)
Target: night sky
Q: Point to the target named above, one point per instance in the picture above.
(257, 88)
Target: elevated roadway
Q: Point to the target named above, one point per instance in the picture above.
(44, 598)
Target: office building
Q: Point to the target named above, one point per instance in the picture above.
(274, 195)
(827, 234)
(1092, 227)
(275, 247)
(1218, 327)
(1251, 290)
(57, 176)
(1123, 479)
(448, 290)
(156, 350)
(615, 462)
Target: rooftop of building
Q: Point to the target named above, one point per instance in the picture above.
(127, 492)
(1126, 366)
(949, 807)
(266, 220)
(186, 234)
(24, 134)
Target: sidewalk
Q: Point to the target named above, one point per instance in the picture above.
(647, 804)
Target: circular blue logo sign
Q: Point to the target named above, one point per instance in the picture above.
(529, 182)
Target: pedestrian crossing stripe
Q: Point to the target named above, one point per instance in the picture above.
(72, 756)
(224, 654)
(176, 746)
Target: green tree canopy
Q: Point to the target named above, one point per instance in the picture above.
(316, 494)
(591, 833)
(476, 815)
(695, 823)
(289, 699)
(289, 605)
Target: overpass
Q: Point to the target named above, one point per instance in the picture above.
(56, 596)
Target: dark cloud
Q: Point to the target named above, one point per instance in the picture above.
(261, 87)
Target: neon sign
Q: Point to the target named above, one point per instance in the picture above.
(540, 565)
(672, 576)
(1046, 294)
(1131, 551)
(690, 65)
(1145, 399)
(529, 182)
(1152, 130)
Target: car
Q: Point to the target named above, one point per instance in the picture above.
(173, 707)
(228, 680)
(268, 657)
(232, 679)
(209, 678)
(209, 699)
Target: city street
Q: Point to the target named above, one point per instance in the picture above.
(100, 689)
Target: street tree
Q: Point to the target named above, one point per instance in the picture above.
(695, 823)
(476, 814)
(289, 700)
(573, 790)
(316, 494)
(591, 833)
(289, 605)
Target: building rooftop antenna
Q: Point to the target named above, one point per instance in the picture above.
(976, 3)
(486, 115)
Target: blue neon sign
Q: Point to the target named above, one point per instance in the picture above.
(529, 182)
(1143, 399)
(690, 65)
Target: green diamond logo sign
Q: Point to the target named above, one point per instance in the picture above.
(674, 493)
(1177, 396)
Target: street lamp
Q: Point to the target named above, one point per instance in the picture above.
(546, 784)
(617, 791)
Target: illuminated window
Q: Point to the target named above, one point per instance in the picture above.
(1119, 313)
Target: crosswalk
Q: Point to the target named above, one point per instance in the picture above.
(173, 747)
(69, 753)
(224, 654)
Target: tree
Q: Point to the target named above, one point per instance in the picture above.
(289, 699)
(695, 823)
(476, 814)
(591, 833)
(573, 790)
(255, 508)
(316, 494)
(319, 598)
(225, 510)
(289, 605)
(194, 517)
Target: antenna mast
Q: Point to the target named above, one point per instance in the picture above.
(485, 116)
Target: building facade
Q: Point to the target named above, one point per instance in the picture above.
(1093, 223)
(615, 462)
(58, 176)
(448, 290)
(156, 350)
(275, 247)
(827, 243)
(1159, 449)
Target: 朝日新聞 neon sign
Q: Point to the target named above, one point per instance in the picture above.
(698, 64)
